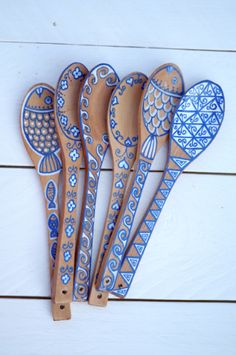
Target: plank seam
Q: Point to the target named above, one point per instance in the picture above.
(119, 46)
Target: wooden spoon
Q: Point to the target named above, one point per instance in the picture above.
(123, 138)
(67, 112)
(41, 142)
(160, 98)
(195, 125)
(94, 99)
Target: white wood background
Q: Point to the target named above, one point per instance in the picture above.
(183, 298)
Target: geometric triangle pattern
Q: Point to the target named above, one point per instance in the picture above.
(133, 261)
(197, 119)
(196, 123)
(115, 254)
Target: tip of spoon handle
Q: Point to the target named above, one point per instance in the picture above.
(61, 311)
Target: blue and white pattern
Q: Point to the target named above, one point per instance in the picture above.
(51, 195)
(38, 128)
(195, 125)
(159, 102)
(115, 254)
(105, 75)
(161, 97)
(53, 224)
(68, 88)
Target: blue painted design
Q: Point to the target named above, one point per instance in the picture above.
(65, 278)
(200, 108)
(115, 254)
(71, 205)
(77, 73)
(161, 97)
(64, 85)
(53, 224)
(159, 102)
(38, 128)
(53, 250)
(73, 180)
(94, 161)
(69, 230)
(51, 195)
(74, 155)
(123, 164)
(67, 256)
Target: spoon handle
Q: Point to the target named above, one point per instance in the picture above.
(50, 188)
(85, 241)
(119, 239)
(120, 178)
(64, 269)
(138, 244)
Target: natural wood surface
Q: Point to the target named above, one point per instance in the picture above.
(122, 122)
(66, 119)
(159, 99)
(94, 100)
(40, 139)
(196, 122)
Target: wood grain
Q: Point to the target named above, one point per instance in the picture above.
(67, 112)
(122, 124)
(41, 142)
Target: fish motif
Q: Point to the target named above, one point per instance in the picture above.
(39, 128)
(53, 224)
(161, 98)
(51, 192)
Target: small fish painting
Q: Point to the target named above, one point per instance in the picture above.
(53, 224)
(38, 126)
(51, 192)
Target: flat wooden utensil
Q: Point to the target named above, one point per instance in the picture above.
(41, 142)
(123, 137)
(159, 100)
(67, 117)
(195, 125)
(94, 100)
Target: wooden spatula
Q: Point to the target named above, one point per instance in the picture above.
(67, 117)
(94, 99)
(41, 142)
(160, 98)
(123, 138)
(195, 125)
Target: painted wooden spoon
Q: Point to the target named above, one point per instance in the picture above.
(67, 112)
(160, 98)
(195, 125)
(94, 100)
(123, 138)
(41, 142)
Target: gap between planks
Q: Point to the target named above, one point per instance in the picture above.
(119, 46)
(126, 300)
(107, 169)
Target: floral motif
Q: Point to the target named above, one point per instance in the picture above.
(64, 119)
(74, 155)
(67, 255)
(69, 230)
(60, 101)
(65, 279)
(71, 205)
(75, 131)
(64, 85)
(73, 180)
(77, 73)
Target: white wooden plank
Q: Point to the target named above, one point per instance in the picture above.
(191, 254)
(123, 327)
(181, 24)
(23, 65)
